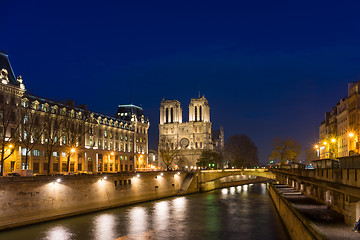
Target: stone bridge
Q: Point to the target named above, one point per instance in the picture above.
(211, 175)
(211, 179)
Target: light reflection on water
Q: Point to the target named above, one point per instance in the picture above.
(137, 221)
(231, 213)
(104, 226)
(58, 233)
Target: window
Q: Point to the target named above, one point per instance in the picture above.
(195, 113)
(63, 154)
(25, 135)
(55, 154)
(121, 136)
(23, 151)
(126, 158)
(200, 113)
(126, 137)
(99, 143)
(172, 115)
(37, 153)
(167, 115)
(105, 133)
(121, 157)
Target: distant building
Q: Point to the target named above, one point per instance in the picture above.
(339, 132)
(154, 159)
(104, 143)
(192, 137)
(218, 139)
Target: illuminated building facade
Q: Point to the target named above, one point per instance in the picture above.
(80, 140)
(339, 132)
(192, 137)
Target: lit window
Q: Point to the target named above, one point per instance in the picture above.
(37, 153)
(23, 151)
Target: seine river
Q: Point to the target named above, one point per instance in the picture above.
(243, 212)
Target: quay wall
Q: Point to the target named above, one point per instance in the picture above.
(28, 200)
(298, 227)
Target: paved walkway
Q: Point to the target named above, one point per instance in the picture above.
(328, 221)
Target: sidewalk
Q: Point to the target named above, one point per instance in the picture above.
(329, 222)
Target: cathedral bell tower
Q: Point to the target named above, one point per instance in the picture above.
(170, 112)
(199, 110)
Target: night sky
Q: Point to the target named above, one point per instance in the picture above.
(267, 69)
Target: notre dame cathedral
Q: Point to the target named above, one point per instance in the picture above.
(191, 138)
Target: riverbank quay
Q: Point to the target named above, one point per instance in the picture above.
(306, 218)
(28, 200)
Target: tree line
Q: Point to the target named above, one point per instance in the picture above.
(239, 152)
(27, 127)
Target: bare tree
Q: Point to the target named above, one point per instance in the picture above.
(168, 151)
(285, 150)
(73, 130)
(52, 133)
(10, 121)
(31, 131)
(240, 151)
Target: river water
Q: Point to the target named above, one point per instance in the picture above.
(243, 212)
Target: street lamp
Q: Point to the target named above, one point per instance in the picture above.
(72, 150)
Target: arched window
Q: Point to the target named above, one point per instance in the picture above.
(200, 113)
(172, 115)
(195, 113)
(167, 115)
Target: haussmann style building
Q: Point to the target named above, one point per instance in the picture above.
(339, 132)
(49, 136)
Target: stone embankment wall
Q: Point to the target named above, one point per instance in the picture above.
(27, 200)
(297, 225)
(338, 188)
(33, 199)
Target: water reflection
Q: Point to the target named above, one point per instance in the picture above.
(233, 213)
(137, 221)
(58, 233)
(104, 226)
(161, 215)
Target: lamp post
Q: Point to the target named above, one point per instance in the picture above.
(72, 150)
(332, 148)
(351, 151)
(317, 151)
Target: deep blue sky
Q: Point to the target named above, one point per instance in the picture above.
(267, 69)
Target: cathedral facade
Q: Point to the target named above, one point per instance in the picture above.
(190, 138)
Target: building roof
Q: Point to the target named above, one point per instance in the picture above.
(125, 112)
(5, 64)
